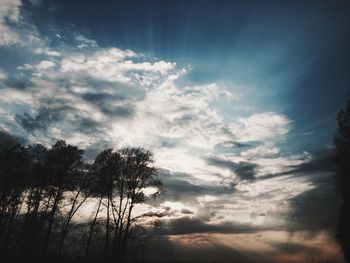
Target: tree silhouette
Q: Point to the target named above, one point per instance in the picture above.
(103, 172)
(76, 198)
(342, 175)
(137, 174)
(43, 189)
(120, 179)
(13, 179)
(37, 184)
(64, 165)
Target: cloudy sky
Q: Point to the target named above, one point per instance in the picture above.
(236, 100)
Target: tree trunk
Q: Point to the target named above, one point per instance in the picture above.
(71, 213)
(51, 220)
(91, 230)
(107, 232)
(126, 234)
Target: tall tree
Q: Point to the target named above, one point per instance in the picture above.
(342, 175)
(14, 163)
(75, 198)
(64, 163)
(31, 229)
(102, 187)
(42, 189)
(120, 180)
(137, 174)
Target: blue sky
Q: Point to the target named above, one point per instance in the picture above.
(291, 56)
(237, 100)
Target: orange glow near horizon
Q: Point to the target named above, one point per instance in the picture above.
(269, 246)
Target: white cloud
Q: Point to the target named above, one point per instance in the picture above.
(17, 97)
(45, 65)
(266, 150)
(109, 65)
(16, 27)
(9, 12)
(47, 51)
(167, 111)
(265, 127)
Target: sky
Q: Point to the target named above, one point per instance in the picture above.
(236, 99)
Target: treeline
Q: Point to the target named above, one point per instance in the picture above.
(55, 206)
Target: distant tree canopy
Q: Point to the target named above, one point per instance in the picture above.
(342, 176)
(42, 191)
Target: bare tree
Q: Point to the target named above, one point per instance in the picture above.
(42, 189)
(64, 165)
(13, 180)
(103, 171)
(137, 174)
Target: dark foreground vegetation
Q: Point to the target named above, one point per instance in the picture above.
(342, 175)
(54, 207)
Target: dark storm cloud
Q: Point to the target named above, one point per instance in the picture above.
(180, 186)
(88, 125)
(215, 161)
(43, 119)
(244, 170)
(18, 82)
(240, 144)
(101, 97)
(58, 114)
(295, 248)
(186, 211)
(235, 144)
(118, 103)
(165, 213)
(124, 111)
(188, 225)
(231, 147)
(56, 109)
(316, 209)
(97, 147)
(321, 161)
